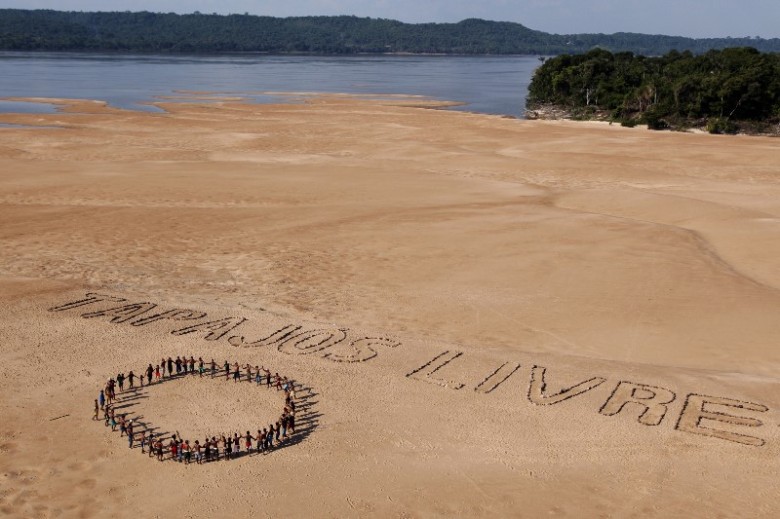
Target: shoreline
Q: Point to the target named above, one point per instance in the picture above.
(65, 105)
(206, 98)
(554, 113)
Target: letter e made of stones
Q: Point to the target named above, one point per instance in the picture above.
(714, 416)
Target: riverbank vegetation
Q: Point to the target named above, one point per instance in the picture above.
(48, 30)
(723, 91)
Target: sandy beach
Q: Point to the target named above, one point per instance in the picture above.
(486, 317)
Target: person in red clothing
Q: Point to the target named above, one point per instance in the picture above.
(248, 439)
(174, 448)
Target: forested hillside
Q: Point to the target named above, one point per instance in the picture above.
(723, 90)
(157, 32)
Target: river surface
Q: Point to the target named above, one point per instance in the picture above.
(487, 84)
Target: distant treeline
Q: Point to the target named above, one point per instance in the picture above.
(157, 32)
(726, 91)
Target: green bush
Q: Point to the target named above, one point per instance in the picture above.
(654, 121)
(721, 125)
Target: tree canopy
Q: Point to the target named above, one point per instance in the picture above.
(724, 90)
(159, 32)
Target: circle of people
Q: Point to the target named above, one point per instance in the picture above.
(210, 449)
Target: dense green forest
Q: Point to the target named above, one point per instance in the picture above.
(158, 32)
(726, 91)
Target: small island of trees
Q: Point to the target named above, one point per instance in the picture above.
(723, 91)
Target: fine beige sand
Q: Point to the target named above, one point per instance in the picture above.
(485, 316)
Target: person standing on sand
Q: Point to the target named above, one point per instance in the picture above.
(158, 446)
(131, 379)
(102, 398)
(248, 439)
(196, 450)
(237, 444)
(170, 367)
(192, 365)
(257, 375)
(227, 371)
(213, 368)
(173, 447)
(207, 450)
(236, 372)
(97, 411)
(263, 441)
(130, 436)
(157, 373)
(149, 372)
